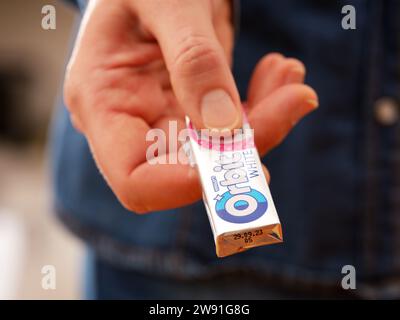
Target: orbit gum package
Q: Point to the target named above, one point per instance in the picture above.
(235, 191)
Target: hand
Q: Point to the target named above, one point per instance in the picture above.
(138, 64)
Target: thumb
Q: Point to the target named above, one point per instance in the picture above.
(199, 70)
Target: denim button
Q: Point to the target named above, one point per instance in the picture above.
(387, 111)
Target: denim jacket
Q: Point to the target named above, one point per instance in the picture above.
(335, 179)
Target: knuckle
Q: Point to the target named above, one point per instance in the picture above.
(196, 54)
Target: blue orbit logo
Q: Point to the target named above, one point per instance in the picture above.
(241, 208)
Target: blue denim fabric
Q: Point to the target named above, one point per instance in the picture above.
(104, 280)
(335, 179)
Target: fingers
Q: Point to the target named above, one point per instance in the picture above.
(198, 67)
(272, 72)
(277, 100)
(274, 116)
(118, 144)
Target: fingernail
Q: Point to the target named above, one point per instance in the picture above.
(218, 110)
(295, 75)
(309, 105)
(313, 103)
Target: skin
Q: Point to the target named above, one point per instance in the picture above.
(138, 64)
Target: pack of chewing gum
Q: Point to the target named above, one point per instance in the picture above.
(236, 195)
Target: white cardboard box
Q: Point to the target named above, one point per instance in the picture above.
(236, 195)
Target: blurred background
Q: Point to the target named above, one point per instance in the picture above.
(32, 62)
